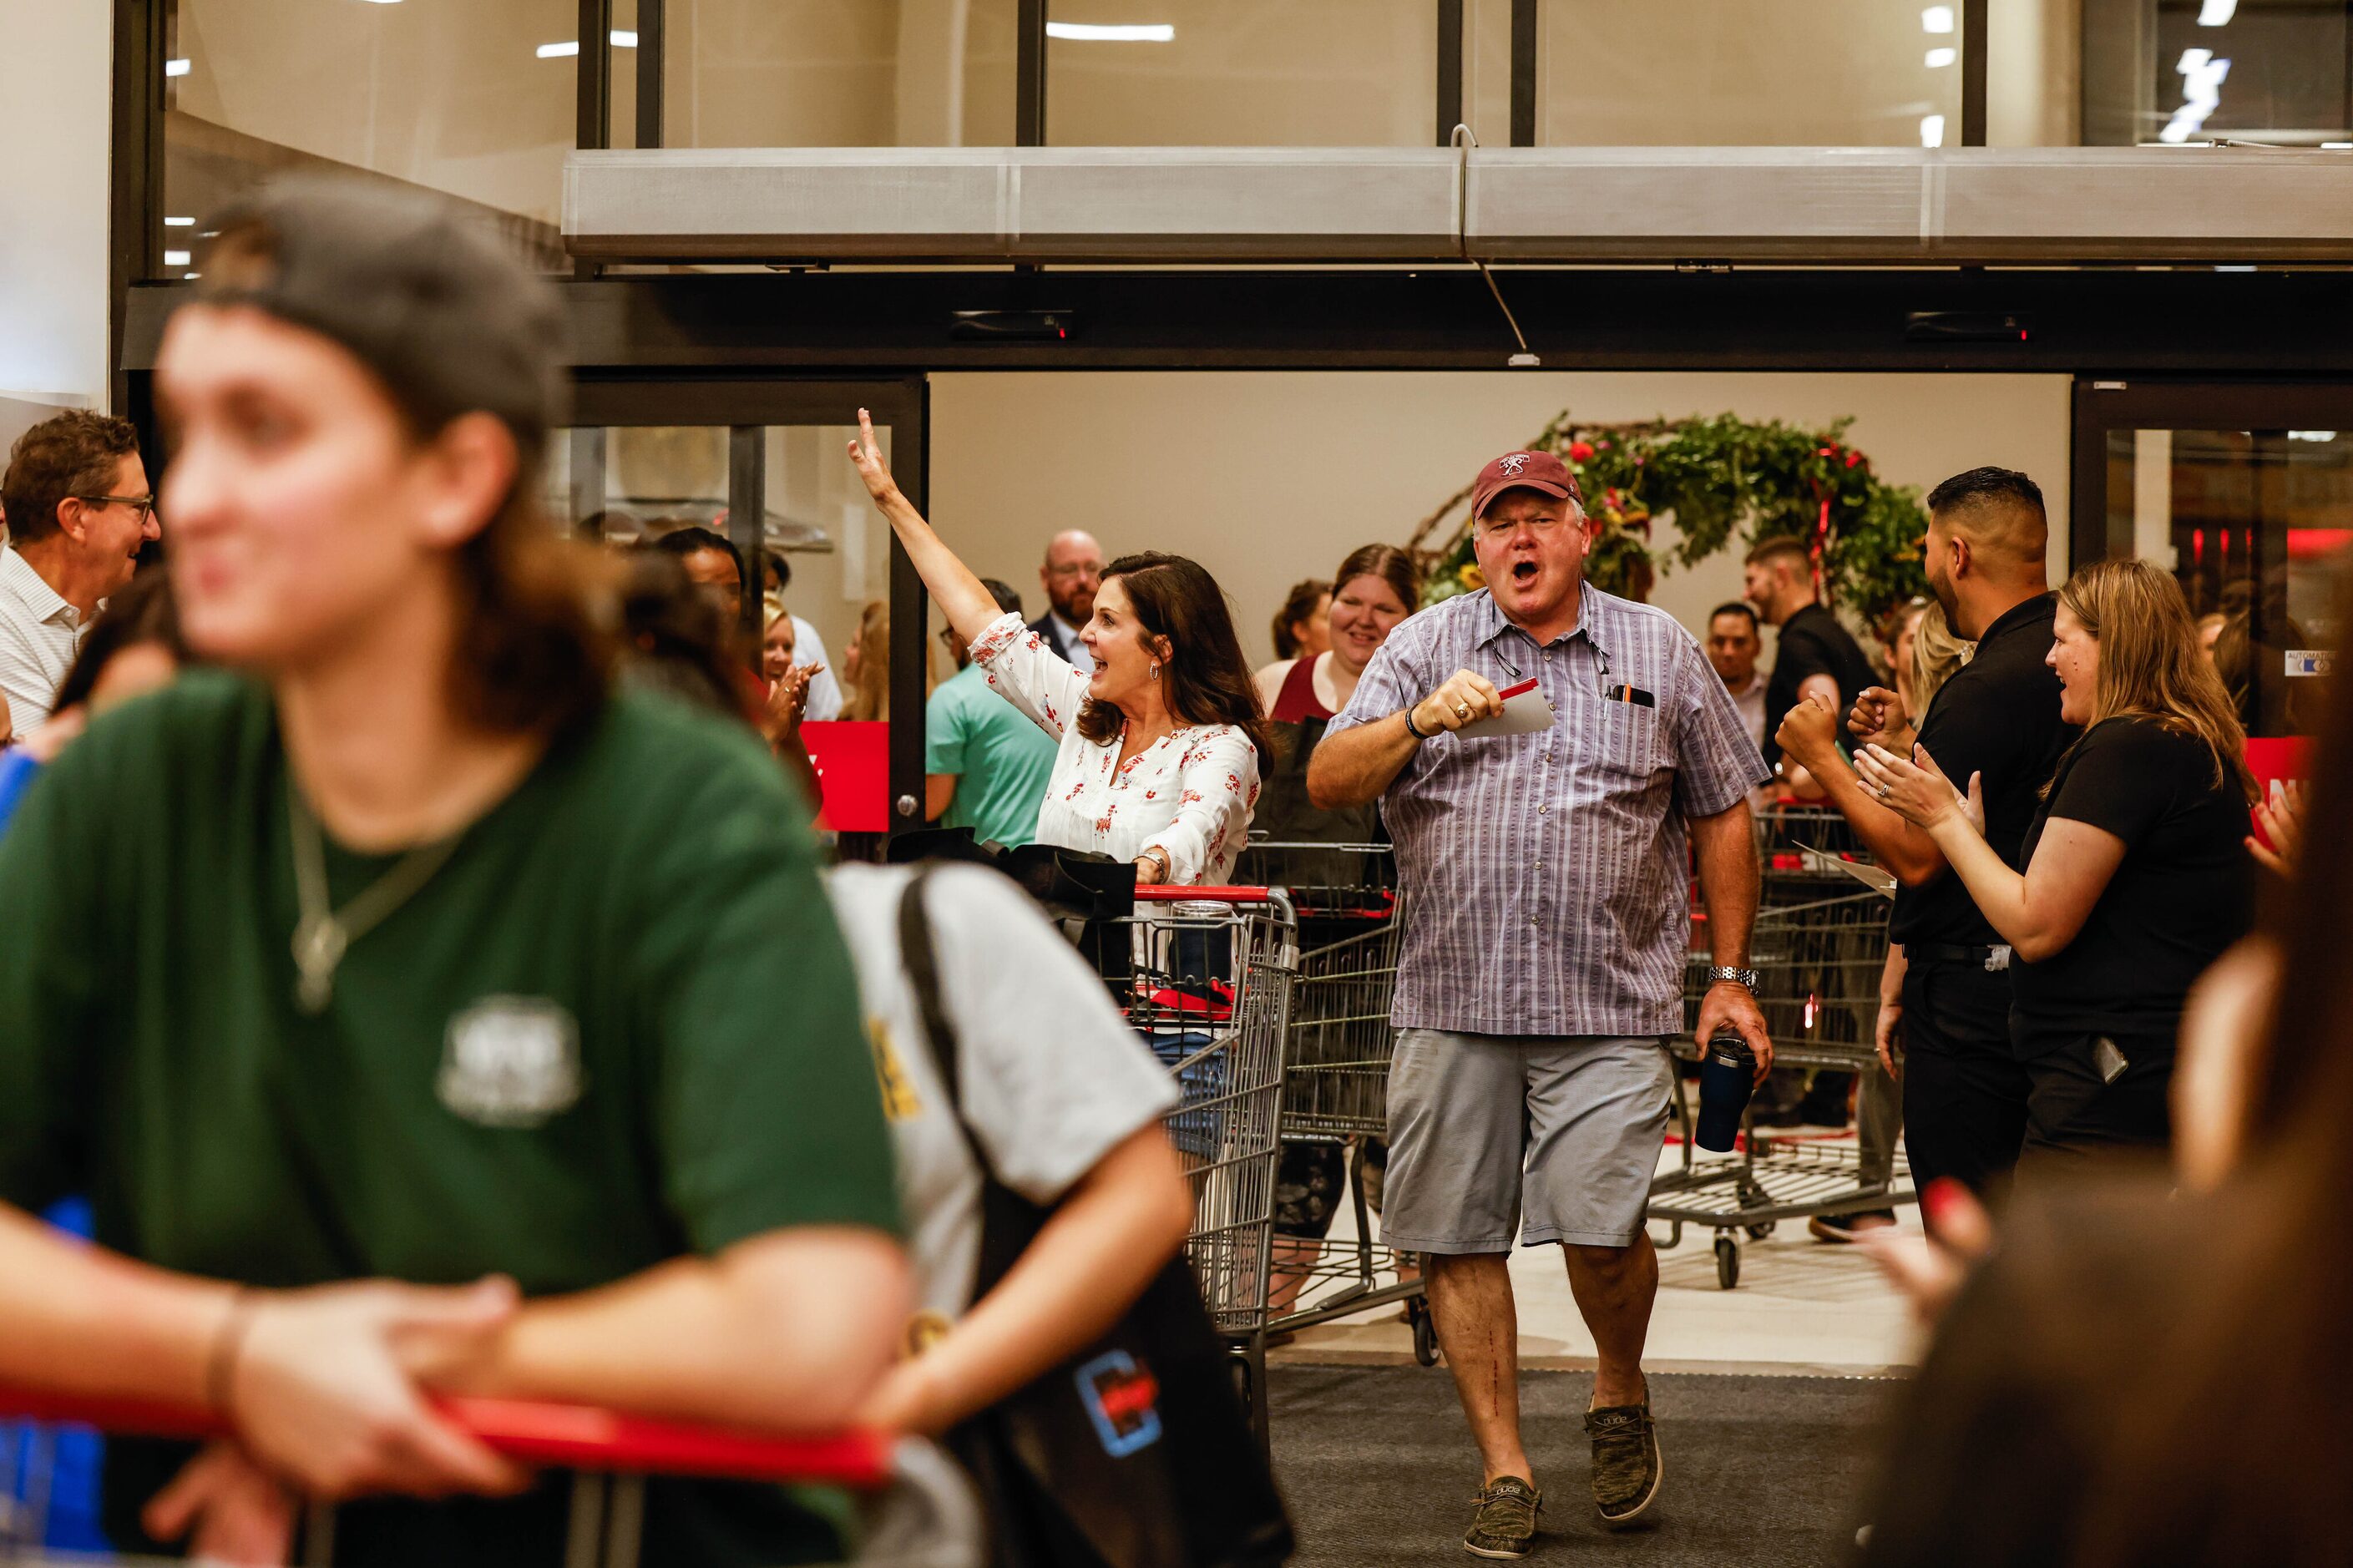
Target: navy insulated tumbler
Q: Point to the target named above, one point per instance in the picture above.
(1727, 1075)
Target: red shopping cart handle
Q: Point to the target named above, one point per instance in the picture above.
(1161, 893)
(577, 1436)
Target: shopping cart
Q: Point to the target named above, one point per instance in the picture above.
(1335, 1074)
(1209, 991)
(1818, 963)
(924, 1512)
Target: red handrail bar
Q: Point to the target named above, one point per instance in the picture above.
(1163, 893)
(577, 1436)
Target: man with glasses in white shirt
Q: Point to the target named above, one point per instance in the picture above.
(78, 511)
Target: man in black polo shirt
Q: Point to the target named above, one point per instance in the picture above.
(1947, 987)
(1814, 657)
(1814, 654)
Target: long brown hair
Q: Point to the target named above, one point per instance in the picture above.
(870, 689)
(1387, 563)
(2237, 1421)
(1205, 677)
(2151, 665)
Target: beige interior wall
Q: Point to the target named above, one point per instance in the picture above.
(1709, 73)
(53, 208)
(1267, 477)
(2034, 70)
(447, 93)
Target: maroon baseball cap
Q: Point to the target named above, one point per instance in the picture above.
(1523, 470)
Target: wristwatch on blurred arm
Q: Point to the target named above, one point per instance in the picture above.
(1718, 973)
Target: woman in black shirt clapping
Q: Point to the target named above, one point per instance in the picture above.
(2137, 874)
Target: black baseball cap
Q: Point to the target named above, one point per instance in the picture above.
(423, 294)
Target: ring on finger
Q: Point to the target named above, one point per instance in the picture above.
(1461, 709)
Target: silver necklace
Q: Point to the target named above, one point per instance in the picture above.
(324, 933)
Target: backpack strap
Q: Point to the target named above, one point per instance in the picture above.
(919, 956)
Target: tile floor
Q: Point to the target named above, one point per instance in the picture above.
(1801, 1305)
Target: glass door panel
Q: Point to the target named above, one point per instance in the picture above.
(757, 474)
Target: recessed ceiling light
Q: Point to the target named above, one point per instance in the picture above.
(623, 39)
(1940, 57)
(1932, 131)
(175, 67)
(176, 259)
(179, 223)
(1112, 33)
(2217, 13)
(563, 51)
(1937, 19)
(2336, 146)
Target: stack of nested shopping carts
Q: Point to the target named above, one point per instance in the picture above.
(1209, 990)
(1819, 943)
(1336, 1088)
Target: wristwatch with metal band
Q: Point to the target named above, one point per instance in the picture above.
(1717, 973)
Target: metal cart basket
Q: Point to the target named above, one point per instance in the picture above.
(1335, 1074)
(1818, 947)
(1211, 992)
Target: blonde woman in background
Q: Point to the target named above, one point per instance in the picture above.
(866, 668)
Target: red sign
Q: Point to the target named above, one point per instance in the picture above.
(853, 773)
(2275, 760)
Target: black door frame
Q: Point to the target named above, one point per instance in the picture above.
(747, 406)
(2101, 405)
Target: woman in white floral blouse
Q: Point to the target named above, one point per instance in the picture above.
(1159, 758)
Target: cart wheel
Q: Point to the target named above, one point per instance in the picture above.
(1760, 1231)
(1728, 1262)
(1425, 1332)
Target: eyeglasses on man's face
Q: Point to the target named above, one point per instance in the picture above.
(145, 505)
(1075, 569)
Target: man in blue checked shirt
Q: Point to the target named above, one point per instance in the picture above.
(1544, 892)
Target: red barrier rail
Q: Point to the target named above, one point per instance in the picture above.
(1162, 894)
(577, 1436)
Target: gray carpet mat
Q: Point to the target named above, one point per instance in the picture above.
(1761, 1471)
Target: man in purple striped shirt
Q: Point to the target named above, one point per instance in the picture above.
(1545, 893)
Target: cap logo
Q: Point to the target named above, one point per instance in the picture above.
(1512, 465)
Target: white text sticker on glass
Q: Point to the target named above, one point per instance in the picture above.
(2309, 660)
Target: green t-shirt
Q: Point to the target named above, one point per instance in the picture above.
(616, 1027)
(1001, 760)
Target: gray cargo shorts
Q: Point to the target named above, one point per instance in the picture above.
(1555, 1137)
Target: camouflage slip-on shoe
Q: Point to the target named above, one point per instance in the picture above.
(1626, 1466)
(1505, 1525)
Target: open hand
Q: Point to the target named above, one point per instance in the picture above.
(1808, 732)
(230, 1508)
(788, 701)
(1929, 1269)
(1464, 698)
(324, 1387)
(1878, 719)
(1918, 790)
(2281, 817)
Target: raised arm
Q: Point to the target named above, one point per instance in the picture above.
(968, 606)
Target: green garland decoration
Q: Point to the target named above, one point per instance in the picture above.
(1720, 479)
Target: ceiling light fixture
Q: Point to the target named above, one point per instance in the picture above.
(623, 39)
(563, 51)
(2336, 146)
(179, 223)
(1932, 131)
(1937, 19)
(2202, 94)
(176, 259)
(1114, 32)
(175, 67)
(2312, 435)
(1938, 59)
(2217, 13)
